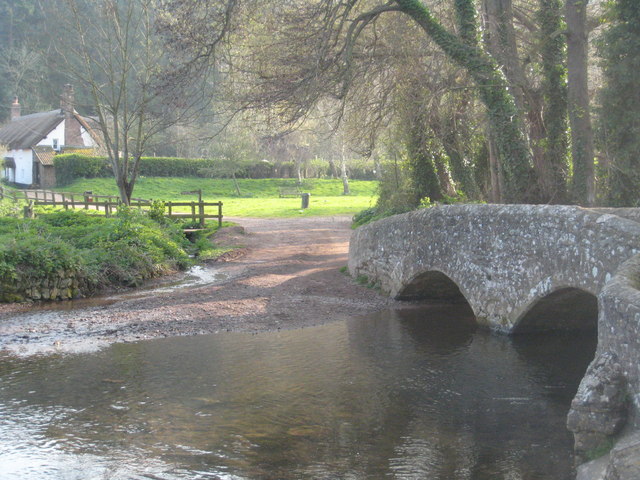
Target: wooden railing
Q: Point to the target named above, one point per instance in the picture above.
(197, 211)
(110, 203)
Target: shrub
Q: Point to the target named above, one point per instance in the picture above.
(95, 251)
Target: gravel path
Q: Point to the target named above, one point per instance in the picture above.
(287, 275)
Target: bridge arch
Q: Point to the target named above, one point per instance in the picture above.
(567, 308)
(433, 285)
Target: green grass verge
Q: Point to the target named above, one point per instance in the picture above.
(260, 197)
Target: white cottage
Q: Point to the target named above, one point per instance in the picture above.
(31, 141)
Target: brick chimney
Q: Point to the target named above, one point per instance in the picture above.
(72, 135)
(66, 99)
(15, 108)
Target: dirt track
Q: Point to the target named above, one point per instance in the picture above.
(287, 275)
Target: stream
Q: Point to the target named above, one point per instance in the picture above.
(403, 394)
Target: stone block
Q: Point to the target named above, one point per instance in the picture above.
(624, 463)
(599, 409)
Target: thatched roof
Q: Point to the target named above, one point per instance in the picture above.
(28, 130)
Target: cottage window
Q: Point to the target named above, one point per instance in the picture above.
(55, 144)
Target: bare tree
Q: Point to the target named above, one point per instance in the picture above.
(137, 86)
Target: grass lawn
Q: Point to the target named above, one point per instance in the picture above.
(259, 197)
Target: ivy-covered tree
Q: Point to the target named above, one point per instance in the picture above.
(554, 93)
(619, 122)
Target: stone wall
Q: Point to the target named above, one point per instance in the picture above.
(60, 285)
(604, 412)
(513, 264)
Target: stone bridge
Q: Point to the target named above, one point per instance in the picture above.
(520, 267)
(526, 268)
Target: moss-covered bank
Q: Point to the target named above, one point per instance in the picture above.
(66, 254)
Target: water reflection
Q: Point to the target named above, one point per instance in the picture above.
(409, 394)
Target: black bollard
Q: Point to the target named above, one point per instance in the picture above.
(305, 200)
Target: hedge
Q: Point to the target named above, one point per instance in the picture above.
(71, 166)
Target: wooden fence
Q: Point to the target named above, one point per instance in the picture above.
(110, 203)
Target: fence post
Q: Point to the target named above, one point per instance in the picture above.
(201, 212)
(219, 214)
(28, 210)
(193, 212)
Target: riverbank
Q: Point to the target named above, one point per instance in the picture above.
(286, 275)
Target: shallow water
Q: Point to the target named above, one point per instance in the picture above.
(415, 394)
(197, 276)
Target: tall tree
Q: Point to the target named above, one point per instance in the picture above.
(554, 95)
(619, 125)
(582, 149)
(531, 50)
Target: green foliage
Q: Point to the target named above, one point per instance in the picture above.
(173, 167)
(423, 154)
(396, 190)
(360, 169)
(73, 166)
(156, 211)
(466, 17)
(9, 208)
(506, 124)
(365, 216)
(618, 126)
(70, 166)
(95, 250)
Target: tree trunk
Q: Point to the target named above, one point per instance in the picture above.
(444, 176)
(332, 168)
(343, 173)
(449, 135)
(501, 41)
(583, 181)
(235, 184)
(554, 92)
(494, 171)
(299, 171)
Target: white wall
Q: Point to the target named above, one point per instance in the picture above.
(57, 133)
(24, 165)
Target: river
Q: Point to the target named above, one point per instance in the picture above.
(404, 394)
